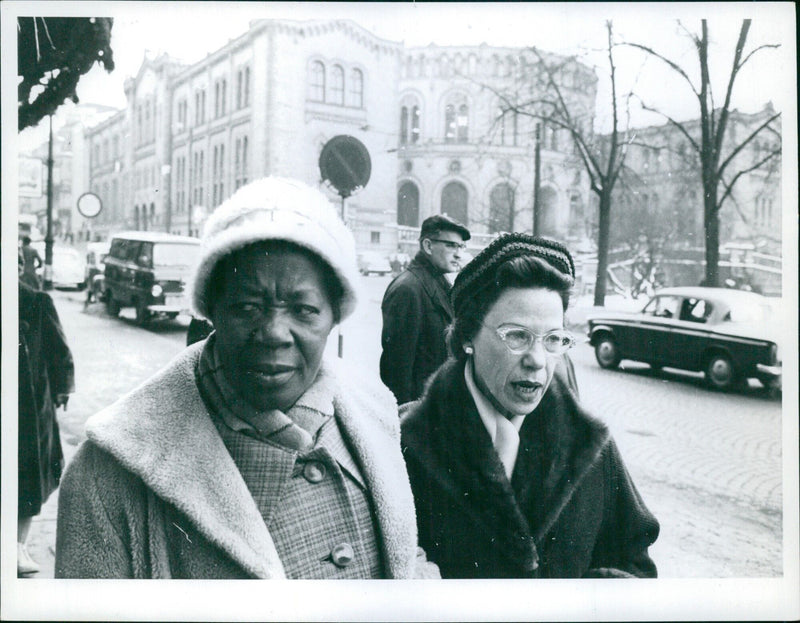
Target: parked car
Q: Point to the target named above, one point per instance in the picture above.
(149, 271)
(727, 334)
(373, 263)
(68, 267)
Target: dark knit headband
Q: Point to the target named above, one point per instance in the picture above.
(482, 269)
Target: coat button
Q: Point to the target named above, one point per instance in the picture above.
(314, 471)
(342, 555)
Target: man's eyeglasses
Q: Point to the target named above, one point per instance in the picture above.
(450, 245)
(519, 339)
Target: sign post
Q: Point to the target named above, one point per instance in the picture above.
(345, 163)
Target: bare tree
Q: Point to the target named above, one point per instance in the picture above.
(52, 54)
(717, 168)
(602, 157)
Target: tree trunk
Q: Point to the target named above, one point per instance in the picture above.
(604, 227)
(712, 240)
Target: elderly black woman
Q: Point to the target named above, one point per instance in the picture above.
(250, 455)
(512, 478)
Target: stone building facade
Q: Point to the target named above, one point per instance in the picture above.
(661, 193)
(267, 102)
(463, 150)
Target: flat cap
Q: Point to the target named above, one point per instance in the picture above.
(442, 222)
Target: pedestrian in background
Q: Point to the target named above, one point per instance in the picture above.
(248, 456)
(512, 478)
(417, 310)
(31, 262)
(46, 378)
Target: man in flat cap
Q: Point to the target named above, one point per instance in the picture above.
(417, 309)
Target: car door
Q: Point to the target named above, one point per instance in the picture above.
(130, 271)
(690, 335)
(660, 317)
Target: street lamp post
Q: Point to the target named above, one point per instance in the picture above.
(537, 165)
(48, 238)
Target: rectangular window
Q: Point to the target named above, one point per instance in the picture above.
(239, 87)
(237, 155)
(244, 161)
(223, 97)
(221, 173)
(375, 237)
(246, 86)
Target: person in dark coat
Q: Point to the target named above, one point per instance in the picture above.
(512, 477)
(417, 310)
(31, 262)
(46, 378)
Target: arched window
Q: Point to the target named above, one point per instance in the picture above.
(409, 120)
(356, 90)
(316, 82)
(456, 119)
(408, 205)
(462, 121)
(450, 123)
(455, 202)
(501, 208)
(337, 85)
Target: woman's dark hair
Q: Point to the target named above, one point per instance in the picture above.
(333, 286)
(524, 271)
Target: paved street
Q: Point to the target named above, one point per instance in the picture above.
(707, 464)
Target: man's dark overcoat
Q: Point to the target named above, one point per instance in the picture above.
(570, 510)
(45, 370)
(416, 313)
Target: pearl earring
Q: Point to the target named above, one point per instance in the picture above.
(468, 350)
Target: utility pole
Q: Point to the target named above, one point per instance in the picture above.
(48, 238)
(537, 165)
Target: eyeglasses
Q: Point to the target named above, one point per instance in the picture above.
(450, 245)
(519, 339)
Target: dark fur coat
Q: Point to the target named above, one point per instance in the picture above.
(570, 510)
(45, 370)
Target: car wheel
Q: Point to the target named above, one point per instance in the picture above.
(606, 353)
(720, 373)
(172, 315)
(112, 306)
(142, 315)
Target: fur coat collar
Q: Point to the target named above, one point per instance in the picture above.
(163, 433)
(559, 444)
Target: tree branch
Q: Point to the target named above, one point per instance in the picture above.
(674, 66)
(745, 142)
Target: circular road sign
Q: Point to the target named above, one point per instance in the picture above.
(345, 163)
(89, 205)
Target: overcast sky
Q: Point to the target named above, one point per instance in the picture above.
(189, 32)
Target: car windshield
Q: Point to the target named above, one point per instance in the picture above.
(177, 254)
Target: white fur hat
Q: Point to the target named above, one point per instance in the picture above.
(276, 208)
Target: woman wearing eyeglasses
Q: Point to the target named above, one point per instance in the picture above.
(512, 478)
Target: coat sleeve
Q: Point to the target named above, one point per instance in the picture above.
(93, 531)
(402, 323)
(57, 355)
(628, 527)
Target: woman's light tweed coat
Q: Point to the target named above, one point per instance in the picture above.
(156, 454)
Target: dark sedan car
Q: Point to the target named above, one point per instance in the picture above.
(727, 334)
